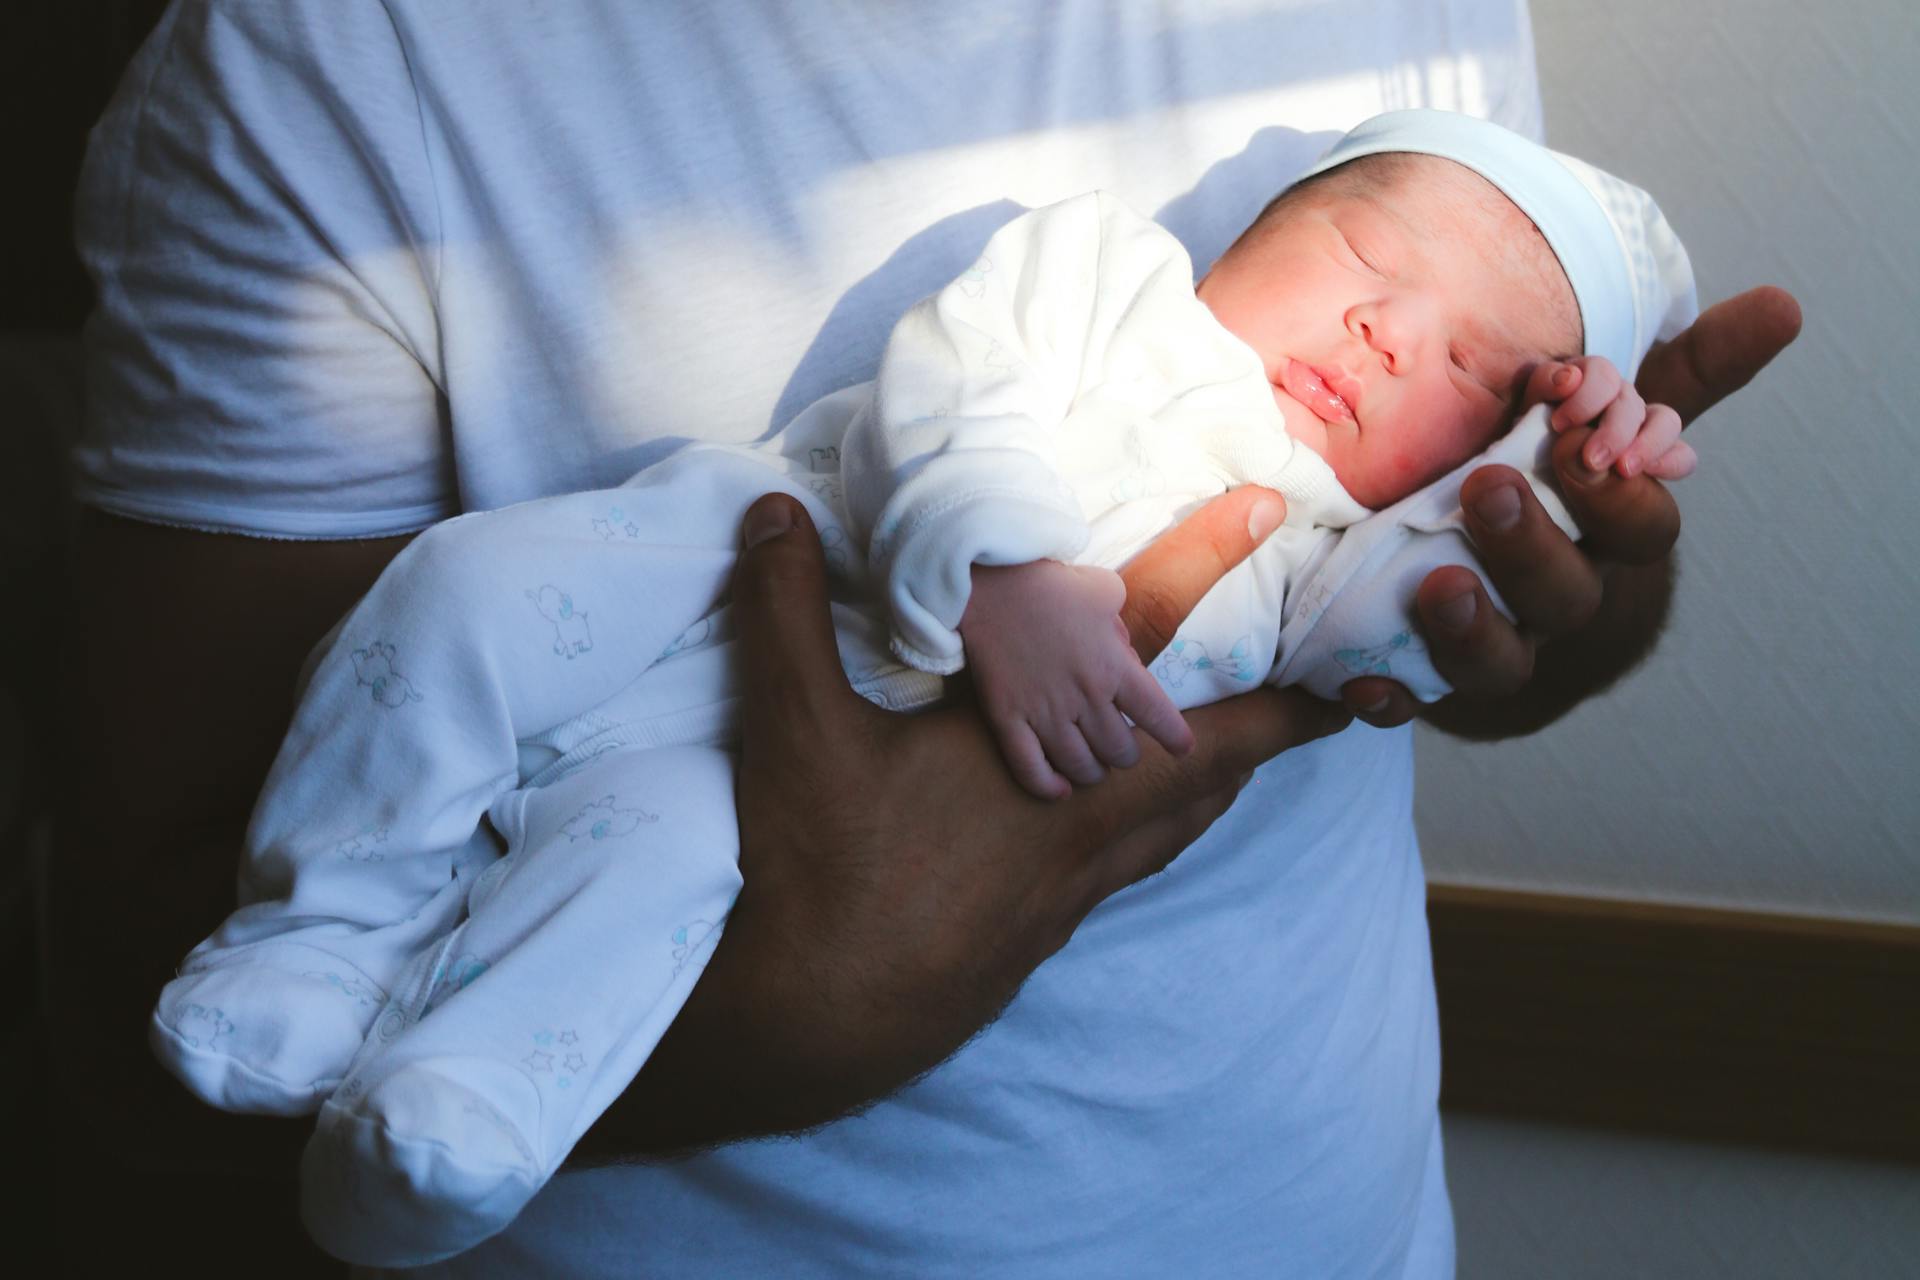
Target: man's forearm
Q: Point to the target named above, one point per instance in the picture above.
(1572, 668)
(162, 749)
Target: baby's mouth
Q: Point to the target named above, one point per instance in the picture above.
(1311, 388)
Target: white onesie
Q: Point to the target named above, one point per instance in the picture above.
(1067, 397)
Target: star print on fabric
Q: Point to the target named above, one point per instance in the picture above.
(538, 1061)
(567, 1037)
(576, 1062)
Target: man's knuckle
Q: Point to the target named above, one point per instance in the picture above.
(1519, 671)
(1203, 769)
(1156, 616)
(1581, 604)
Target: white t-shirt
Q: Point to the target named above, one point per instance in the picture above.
(365, 265)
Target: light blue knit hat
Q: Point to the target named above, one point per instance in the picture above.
(1629, 271)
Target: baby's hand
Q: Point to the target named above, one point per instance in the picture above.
(1629, 434)
(1054, 672)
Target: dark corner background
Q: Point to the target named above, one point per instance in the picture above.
(59, 63)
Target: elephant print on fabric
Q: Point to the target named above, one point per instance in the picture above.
(364, 847)
(452, 977)
(373, 667)
(973, 281)
(601, 821)
(1183, 657)
(571, 634)
(201, 1026)
(693, 637)
(687, 939)
(1377, 660)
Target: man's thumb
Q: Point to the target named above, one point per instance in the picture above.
(789, 660)
(1721, 351)
(1170, 575)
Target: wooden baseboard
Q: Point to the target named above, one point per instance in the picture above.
(1786, 1031)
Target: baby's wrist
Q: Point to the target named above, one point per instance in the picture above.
(1001, 593)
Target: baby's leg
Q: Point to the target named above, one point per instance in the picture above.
(502, 1047)
(269, 1026)
(486, 630)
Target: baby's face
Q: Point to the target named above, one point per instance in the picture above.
(1397, 325)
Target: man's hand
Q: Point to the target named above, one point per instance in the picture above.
(899, 884)
(1601, 621)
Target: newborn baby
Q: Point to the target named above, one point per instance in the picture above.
(1403, 310)
(553, 681)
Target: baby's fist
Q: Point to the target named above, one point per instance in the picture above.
(1629, 435)
(1057, 677)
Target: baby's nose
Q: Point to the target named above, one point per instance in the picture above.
(1377, 337)
(1391, 332)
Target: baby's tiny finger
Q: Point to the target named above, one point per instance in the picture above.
(1657, 434)
(1677, 463)
(1069, 754)
(1596, 391)
(1618, 425)
(1148, 705)
(1111, 738)
(1021, 749)
(1550, 381)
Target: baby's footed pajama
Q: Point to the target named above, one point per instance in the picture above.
(505, 802)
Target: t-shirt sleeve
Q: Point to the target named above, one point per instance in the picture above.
(257, 212)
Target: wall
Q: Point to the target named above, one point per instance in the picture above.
(1766, 756)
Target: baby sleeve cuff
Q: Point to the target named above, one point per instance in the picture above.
(929, 564)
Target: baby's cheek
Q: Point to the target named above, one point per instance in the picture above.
(1406, 469)
(1412, 465)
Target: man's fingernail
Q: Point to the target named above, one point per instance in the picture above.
(1562, 378)
(1376, 707)
(766, 520)
(1578, 472)
(1499, 508)
(1265, 518)
(1456, 615)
